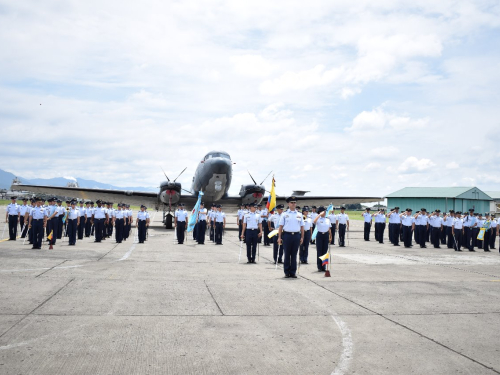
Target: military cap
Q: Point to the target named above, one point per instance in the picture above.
(250, 205)
(143, 206)
(321, 209)
(72, 202)
(293, 198)
(25, 199)
(259, 205)
(38, 199)
(305, 209)
(459, 212)
(59, 201)
(280, 206)
(13, 197)
(452, 211)
(471, 210)
(214, 205)
(476, 214)
(313, 206)
(98, 201)
(342, 208)
(409, 210)
(202, 203)
(396, 208)
(368, 208)
(220, 206)
(297, 208)
(438, 210)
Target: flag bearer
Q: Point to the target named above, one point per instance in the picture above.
(202, 224)
(12, 217)
(323, 237)
(487, 233)
(291, 229)
(274, 224)
(251, 231)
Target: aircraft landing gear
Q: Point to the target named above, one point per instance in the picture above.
(168, 219)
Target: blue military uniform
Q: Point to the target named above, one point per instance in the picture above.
(292, 226)
(253, 225)
(12, 218)
(181, 216)
(323, 226)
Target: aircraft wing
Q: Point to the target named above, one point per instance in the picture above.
(325, 200)
(135, 198)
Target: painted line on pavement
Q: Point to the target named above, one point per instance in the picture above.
(347, 344)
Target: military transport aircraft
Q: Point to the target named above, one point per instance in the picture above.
(212, 177)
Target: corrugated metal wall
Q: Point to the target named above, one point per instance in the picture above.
(442, 204)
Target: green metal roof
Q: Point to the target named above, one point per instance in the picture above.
(494, 194)
(470, 192)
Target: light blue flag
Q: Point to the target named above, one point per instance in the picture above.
(328, 212)
(194, 213)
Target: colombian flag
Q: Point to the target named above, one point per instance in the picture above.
(271, 201)
(325, 259)
(49, 237)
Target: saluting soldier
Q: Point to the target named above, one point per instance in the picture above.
(37, 221)
(252, 231)
(180, 222)
(73, 220)
(202, 224)
(141, 223)
(380, 225)
(53, 218)
(468, 222)
(480, 222)
(446, 236)
(274, 224)
(88, 219)
(220, 224)
(395, 224)
(291, 229)
(304, 246)
(323, 237)
(12, 217)
(61, 212)
(408, 222)
(494, 225)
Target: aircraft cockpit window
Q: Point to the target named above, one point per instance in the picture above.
(219, 155)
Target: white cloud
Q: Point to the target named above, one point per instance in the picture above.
(452, 165)
(252, 65)
(414, 165)
(378, 119)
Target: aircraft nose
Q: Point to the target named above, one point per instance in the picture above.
(221, 165)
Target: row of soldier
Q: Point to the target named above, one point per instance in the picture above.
(75, 222)
(453, 229)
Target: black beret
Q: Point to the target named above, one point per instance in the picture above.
(293, 198)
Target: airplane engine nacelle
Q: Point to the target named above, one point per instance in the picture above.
(170, 192)
(252, 193)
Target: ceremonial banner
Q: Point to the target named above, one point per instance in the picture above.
(325, 259)
(480, 235)
(194, 213)
(271, 201)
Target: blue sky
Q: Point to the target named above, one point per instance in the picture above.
(335, 97)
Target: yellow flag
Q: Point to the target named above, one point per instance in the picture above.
(273, 233)
(49, 237)
(271, 201)
(324, 257)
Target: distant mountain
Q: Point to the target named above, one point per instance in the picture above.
(7, 177)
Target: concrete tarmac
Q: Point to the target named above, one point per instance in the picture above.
(164, 308)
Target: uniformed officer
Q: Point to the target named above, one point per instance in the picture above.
(220, 224)
(81, 221)
(368, 223)
(180, 217)
(421, 224)
(111, 214)
(274, 224)
(73, 220)
(408, 223)
(304, 247)
(119, 223)
(313, 215)
(395, 224)
(446, 237)
(130, 217)
(291, 234)
(141, 223)
(264, 214)
(92, 227)
(60, 216)
(23, 214)
(480, 222)
(37, 221)
(99, 216)
(12, 217)
(380, 225)
(494, 226)
(343, 225)
(30, 229)
(88, 219)
(469, 222)
(323, 237)
(252, 231)
(457, 230)
(487, 232)
(202, 224)
(436, 223)
(53, 219)
(333, 222)
(239, 219)
(211, 218)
